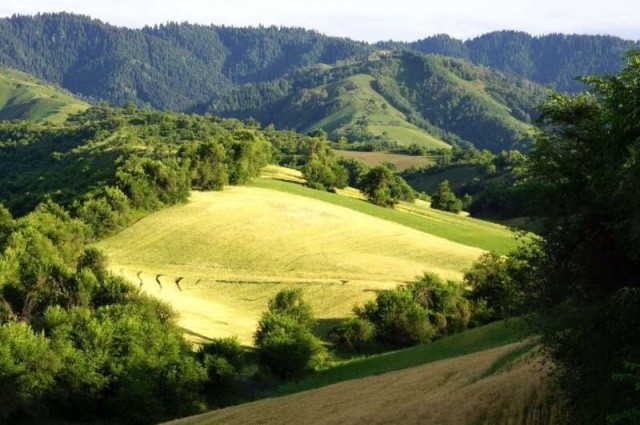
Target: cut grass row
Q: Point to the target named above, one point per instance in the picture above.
(463, 230)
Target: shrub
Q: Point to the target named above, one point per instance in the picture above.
(449, 311)
(285, 347)
(223, 360)
(399, 321)
(290, 302)
(494, 291)
(353, 334)
(444, 199)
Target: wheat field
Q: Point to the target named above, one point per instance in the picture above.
(236, 248)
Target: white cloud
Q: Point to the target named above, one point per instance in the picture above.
(372, 20)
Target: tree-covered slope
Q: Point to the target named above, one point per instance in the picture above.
(401, 97)
(553, 59)
(25, 98)
(175, 66)
(179, 66)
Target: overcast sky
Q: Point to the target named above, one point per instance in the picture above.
(371, 20)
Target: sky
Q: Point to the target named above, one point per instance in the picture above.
(373, 20)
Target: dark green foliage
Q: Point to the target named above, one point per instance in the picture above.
(444, 199)
(28, 366)
(223, 360)
(78, 344)
(356, 170)
(322, 169)
(286, 347)
(494, 291)
(553, 59)
(449, 311)
(398, 319)
(353, 334)
(107, 161)
(290, 302)
(285, 344)
(384, 188)
(172, 66)
(448, 98)
(411, 314)
(587, 287)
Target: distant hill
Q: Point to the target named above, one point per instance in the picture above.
(553, 59)
(173, 66)
(401, 96)
(24, 98)
(176, 66)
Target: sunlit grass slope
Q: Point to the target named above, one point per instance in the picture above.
(22, 97)
(237, 248)
(361, 102)
(504, 385)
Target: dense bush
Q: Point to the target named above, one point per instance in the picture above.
(322, 170)
(398, 319)
(449, 311)
(353, 334)
(224, 360)
(493, 290)
(80, 344)
(384, 188)
(284, 341)
(444, 199)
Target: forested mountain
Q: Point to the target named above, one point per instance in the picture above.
(401, 97)
(167, 67)
(177, 66)
(554, 59)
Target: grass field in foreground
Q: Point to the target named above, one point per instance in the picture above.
(471, 341)
(452, 391)
(402, 162)
(236, 248)
(463, 230)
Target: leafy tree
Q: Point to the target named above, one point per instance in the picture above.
(444, 199)
(224, 360)
(398, 319)
(448, 309)
(356, 170)
(491, 279)
(384, 188)
(285, 343)
(587, 286)
(353, 334)
(290, 302)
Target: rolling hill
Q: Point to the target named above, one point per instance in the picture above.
(235, 249)
(395, 97)
(22, 97)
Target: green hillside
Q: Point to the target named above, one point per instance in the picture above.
(340, 249)
(361, 109)
(396, 98)
(22, 97)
